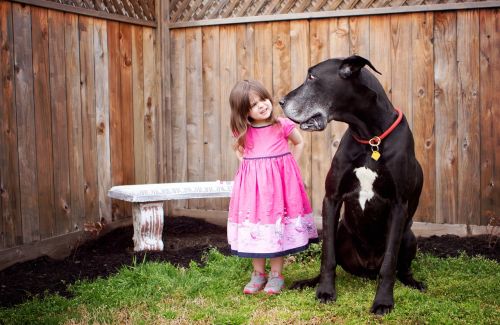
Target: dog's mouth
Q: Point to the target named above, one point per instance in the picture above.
(315, 123)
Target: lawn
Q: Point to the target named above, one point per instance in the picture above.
(462, 290)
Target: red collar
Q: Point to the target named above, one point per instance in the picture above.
(377, 139)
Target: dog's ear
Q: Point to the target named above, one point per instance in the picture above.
(352, 65)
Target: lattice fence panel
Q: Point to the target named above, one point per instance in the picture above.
(189, 10)
(139, 9)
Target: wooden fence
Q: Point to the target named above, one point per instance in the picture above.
(441, 68)
(88, 103)
(79, 112)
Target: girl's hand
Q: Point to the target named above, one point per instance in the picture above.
(298, 144)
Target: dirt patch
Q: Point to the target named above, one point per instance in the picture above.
(185, 239)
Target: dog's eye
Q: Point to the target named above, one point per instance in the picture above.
(311, 77)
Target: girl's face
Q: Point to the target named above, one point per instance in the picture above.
(260, 109)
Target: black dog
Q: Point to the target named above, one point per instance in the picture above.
(374, 174)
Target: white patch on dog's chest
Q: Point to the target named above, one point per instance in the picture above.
(366, 178)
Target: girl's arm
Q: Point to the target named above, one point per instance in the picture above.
(239, 153)
(298, 144)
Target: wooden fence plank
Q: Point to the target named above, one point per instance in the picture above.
(320, 141)
(228, 77)
(89, 134)
(300, 61)
(151, 102)
(74, 111)
(102, 118)
(126, 107)
(360, 36)
(445, 103)
(115, 115)
(138, 105)
(194, 109)
(179, 135)
(281, 62)
(401, 65)
(422, 80)
(339, 47)
(9, 171)
(468, 117)
(25, 114)
(43, 122)
(212, 103)
(245, 51)
(380, 50)
(489, 119)
(59, 123)
(263, 57)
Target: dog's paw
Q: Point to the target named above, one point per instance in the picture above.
(420, 286)
(326, 296)
(381, 309)
(302, 284)
(412, 283)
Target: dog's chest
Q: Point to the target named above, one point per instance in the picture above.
(369, 190)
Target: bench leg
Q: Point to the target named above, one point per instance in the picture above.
(148, 226)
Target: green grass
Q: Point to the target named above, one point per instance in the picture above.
(461, 290)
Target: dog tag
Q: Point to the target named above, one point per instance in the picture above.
(375, 155)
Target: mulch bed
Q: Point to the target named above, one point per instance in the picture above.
(185, 239)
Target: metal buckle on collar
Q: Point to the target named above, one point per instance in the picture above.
(374, 144)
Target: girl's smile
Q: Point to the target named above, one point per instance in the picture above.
(260, 109)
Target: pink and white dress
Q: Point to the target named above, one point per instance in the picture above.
(269, 212)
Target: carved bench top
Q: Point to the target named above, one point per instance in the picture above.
(171, 191)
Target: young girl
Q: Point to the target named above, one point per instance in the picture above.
(269, 213)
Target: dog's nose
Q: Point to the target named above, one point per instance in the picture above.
(282, 101)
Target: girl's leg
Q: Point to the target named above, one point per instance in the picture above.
(258, 279)
(259, 264)
(277, 264)
(276, 282)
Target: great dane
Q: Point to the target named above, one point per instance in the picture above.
(374, 173)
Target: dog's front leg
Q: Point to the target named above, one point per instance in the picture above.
(326, 288)
(384, 298)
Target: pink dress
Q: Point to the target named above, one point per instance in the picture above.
(269, 212)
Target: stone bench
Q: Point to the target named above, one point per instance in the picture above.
(147, 205)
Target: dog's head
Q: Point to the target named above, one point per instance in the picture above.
(333, 90)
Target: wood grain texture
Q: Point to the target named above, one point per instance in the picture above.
(138, 105)
(89, 122)
(9, 164)
(359, 34)
(422, 74)
(339, 46)
(212, 103)
(263, 57)
(151, 109)
(401, 44)
(228, 77)
(179, 135)
(380, 50)
(489, 24)
(468, 117)
(43, 122)
(59, 122)
(299, 63)
(281, 62)
(321, 149)
(126, 107)
(115, 114)
(194, 109)
(25, 119)
(74, 111)
(101, 83)
(445, 101)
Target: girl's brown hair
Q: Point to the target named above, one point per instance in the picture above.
(240, 106)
